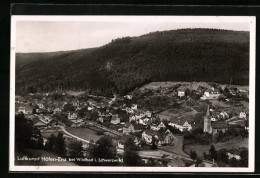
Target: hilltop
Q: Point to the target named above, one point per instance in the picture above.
(207, 55)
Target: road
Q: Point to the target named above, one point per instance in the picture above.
(78, 138)
(176, 149)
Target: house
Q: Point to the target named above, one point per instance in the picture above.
(242, 115)
(157, 127)
(75, 102)
(132, 128)
(148, 114)
(100, 119)
(129, 110)
(115, 119)
(145, 121)
(169, 138)
(132, 118)
(72, 116)
(121, 143)
(180, 123)
(219, 126)
(230, 156)
(90, 108)
(42, 122)
(211, 94)
(213, 127)
(57, 110)
(41, 106)
(134, 106)
(128, 97)
(181, 93)
(176, 162)
(148, 135)
(224, 115)
(25, 110)
(234, 153)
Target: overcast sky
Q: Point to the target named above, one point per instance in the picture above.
(47, 36)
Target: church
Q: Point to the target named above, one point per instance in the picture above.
(215, 126)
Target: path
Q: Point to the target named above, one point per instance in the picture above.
(78, 138)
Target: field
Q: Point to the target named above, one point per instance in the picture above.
(84, 133)
(186, 112)
(221, 145)
(190, 85)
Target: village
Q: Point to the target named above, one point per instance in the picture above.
(161, 117)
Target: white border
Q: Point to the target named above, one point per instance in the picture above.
(188, 19)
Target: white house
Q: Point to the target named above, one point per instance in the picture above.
(148, 114)
(157, 127)
(115, 119)
(236, 156)
(134, 106)
(72, 116)
(180, 124)
(128, 97)
(242, 115)
(181, 93)
(210, 94)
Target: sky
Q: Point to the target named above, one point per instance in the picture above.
(47, 34)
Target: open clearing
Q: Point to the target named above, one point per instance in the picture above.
(186, 112)
(190, 85)
(84, 133)
(221, 145)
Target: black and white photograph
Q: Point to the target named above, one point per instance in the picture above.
(132, 93)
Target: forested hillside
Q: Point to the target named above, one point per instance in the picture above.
(179, 55)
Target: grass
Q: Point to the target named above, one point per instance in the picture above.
(221, 145)
(185, 112)
(84, 133)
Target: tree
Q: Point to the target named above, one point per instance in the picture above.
(75, 149)
(56, 144)
(94, 115)
(131, 158)
(103, 148)
(49, 146)
(193, 155)
(222, 156)
(244, 158)
(26, 133)
(69, 107)
(233, 162)
(60, 148)
(154, 143)
(130, 144)
(212, 152)
(187, 91)
(151, 162)
(198, 161)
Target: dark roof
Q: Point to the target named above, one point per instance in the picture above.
(138, 126)
(219, 125)
(127, 124)
(180, 121)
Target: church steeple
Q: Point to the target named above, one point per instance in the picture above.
(207, 122)
(207, 114)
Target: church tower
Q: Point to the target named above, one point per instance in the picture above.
(207, 122)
